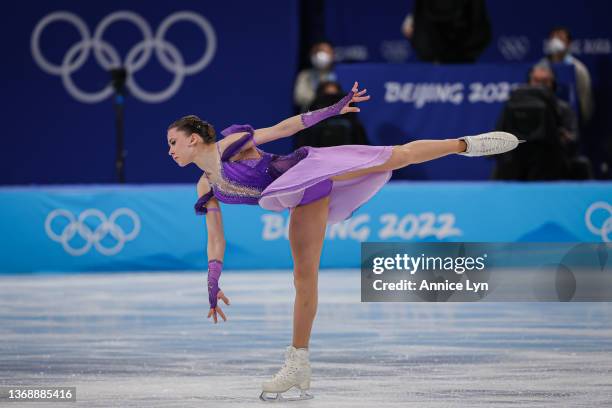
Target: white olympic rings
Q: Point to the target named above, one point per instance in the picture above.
(513, 48)
(92, 237)
(137, 57)
(606, 226)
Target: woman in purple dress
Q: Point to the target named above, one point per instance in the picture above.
(318, 186)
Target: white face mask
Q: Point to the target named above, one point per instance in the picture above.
(321, 60)
(556, 46)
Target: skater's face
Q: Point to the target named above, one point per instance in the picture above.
(181, 146)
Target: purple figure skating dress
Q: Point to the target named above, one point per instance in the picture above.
(276, 182)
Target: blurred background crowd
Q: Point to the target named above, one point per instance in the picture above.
(458, 32)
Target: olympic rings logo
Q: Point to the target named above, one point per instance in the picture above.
(93, 237)
(513, 48)
(137, 57)
(606, 226)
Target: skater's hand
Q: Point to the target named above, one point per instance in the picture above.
(358, 96)
(217, 309)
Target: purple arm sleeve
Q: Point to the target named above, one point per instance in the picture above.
(200, 205)
(314, 117)
(214, 273)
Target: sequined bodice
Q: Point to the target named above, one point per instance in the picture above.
(243, 181)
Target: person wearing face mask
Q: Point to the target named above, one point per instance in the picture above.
(558, 52)
(340, 130)
(322, 60)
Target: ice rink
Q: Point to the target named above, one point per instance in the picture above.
(143, 340)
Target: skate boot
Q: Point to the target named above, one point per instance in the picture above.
(294, 373)
(489, 143)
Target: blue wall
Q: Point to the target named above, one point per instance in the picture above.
(56, 138)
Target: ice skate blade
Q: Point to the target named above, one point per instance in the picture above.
(279, 397)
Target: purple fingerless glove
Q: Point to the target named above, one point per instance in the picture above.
(314, 117)
(214, 273)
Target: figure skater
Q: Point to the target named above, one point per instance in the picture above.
(318, 186)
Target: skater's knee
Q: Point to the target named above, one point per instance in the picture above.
(406, 155)
(305, 279)
(306, 264)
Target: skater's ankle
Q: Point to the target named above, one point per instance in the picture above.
(462, 146)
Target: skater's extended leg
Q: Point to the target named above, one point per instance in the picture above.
(421, 151)
(415, 152)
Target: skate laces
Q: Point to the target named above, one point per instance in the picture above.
(286, 371)
(290, 367)
(498, 143)
(487, 144)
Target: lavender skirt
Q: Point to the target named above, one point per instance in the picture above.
(319, 165)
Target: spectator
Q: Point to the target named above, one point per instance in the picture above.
(448, 31)
(558, 52)
(543, 76)
(408, 26)
(549, 125)
(336, 131)
(322, 60)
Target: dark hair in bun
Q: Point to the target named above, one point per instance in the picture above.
(192, 124)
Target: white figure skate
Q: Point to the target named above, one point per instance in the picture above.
(294, 373)
(490, 143)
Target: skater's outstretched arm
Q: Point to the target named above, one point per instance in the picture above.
(294, 124)
(215, 250)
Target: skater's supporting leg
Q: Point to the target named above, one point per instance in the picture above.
(306, 234)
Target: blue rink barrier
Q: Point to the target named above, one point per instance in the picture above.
(153, 227)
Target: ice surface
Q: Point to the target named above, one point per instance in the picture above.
(143, 340)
